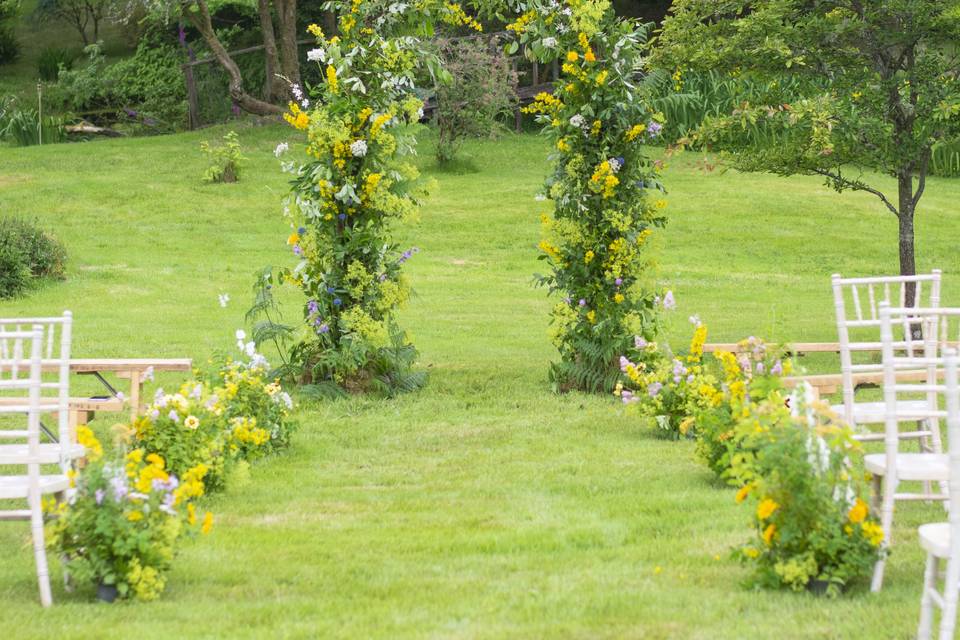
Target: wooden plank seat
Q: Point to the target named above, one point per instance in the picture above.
(829, 383)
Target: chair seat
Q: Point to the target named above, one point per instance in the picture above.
(12, 487)
(50, 453)
(876, 412)
(935, 538)
(911, 466)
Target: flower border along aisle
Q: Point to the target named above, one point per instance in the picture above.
(359, 123)
(604, 188)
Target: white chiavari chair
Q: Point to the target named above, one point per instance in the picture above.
(941, 540)
(890, 468)
(22, 383)
(55, 395)
(857, 301)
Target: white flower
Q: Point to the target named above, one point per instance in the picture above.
(540, 197)
(578, 120)
(420, 113)
(148, 374)
(359, 148)
(694, 320)
(224, 298)
(296, 91)
(241, 334)
(317, 55)
(614, 165)
(305, 103)
(550, 43)
(250, 349)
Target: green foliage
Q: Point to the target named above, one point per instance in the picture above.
(225, 160)
(27, 253)
(145, 91)
(604, 189)
(9, 46)
(945, 159)
(483, 87)
(51, 60)
(892, 91)
(24, 127)
(809, 518)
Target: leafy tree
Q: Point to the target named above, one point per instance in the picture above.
(83, 15)
(880, 89)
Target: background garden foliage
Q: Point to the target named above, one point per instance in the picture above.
(27, 254)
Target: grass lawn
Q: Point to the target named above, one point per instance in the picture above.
(483, 506)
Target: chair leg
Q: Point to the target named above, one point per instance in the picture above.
(948, 618)
(886, 521)
(39, 549)
(925, 628)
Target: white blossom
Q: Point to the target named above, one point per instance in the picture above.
(223, 298)
(358, 148)
(317, 55)
(550, 43)
(281, 149)
(578, 120)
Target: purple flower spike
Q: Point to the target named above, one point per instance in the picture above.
(618, 281)
(654, 129)
(654, 389)
(582, 302)
(297, 250)
(323, 328)
(98, 496)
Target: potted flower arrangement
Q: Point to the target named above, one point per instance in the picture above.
(120, 528)
(664, 386)
(812, 528)
(732, 385)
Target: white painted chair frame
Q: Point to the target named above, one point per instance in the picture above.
(947, 600)
(33, 485)
(891, 467)
(59, 357)
(928, 436)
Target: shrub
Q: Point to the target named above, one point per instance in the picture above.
(9, 46)
(482, 87)
(945, 159)
(810, 522)
(225, 159)
(27, 253)
(51, 60)
(121, 526)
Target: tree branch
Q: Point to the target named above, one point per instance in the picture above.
(856, 185)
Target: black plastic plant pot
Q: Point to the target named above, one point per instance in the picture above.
(106, 592)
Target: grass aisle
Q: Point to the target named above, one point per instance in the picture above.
(484, 506)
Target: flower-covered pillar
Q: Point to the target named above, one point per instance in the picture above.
(604, 188)
(358, 126)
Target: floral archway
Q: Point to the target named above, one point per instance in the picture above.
(359, 126)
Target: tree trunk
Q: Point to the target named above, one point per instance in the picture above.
(273, 89)
(289, 58)
(908, 266)
(201, 21)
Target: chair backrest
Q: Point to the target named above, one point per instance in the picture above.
(857, 302)
(55, 345)
(927, 355)
(24, 382)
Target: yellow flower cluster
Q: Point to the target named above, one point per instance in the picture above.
(544, 102)
(85, 437)
(603, 181)
(635, 132)
(457, 16)
(245, 431)
(697, 342)
(520, 24)
(297, 118)
(332, 78)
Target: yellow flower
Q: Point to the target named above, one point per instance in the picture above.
(589, 57)
(573, 56)
(191, 514)
(592, 316)
(873, 532)
(207, 523)
(618, 298)
(602, 77)
(768, 534)
(332, 78)
(751, 552)
(155, 460)
(635, 132)
(135, 516)
(89, 441)
(293, 239)
(315, 30)
(588, 257)
(766, 508)
(192, 422)
(858, 512)
(743, 493)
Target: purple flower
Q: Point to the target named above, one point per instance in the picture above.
(301, 230)
(624, 363)
(639, 342)
(323, 328)
(760, 368)
(98, 496)
(197, 391)
(312, 307)
(342, 216)
(777, 368)
(668, 301)
(690, 379)
(297, 250)
(337, 302)
(155, 414)
(654, 388)
(383, 277)
(119, 486)
(654, 129)
(173, 416)
(317, 321)
(330, 289)
(582, 302)
(618, 281)
(182, 35)
(627, 396)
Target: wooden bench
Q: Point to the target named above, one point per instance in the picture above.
(826, 384)
(794, 348)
